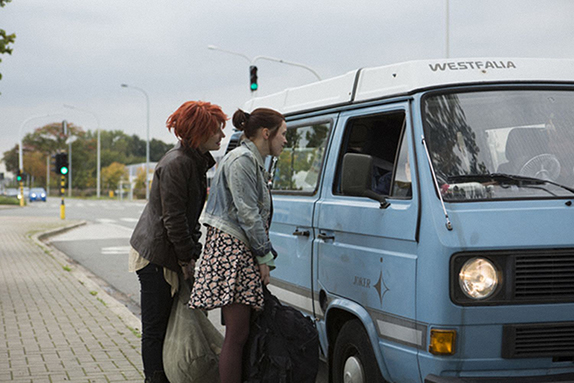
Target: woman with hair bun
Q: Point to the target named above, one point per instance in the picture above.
(165, 241)
(238, 255)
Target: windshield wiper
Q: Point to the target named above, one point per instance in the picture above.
(515, 178)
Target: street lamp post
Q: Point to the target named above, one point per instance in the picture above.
(252, 61)
(98, 165)
(20, 151)
(69, 141)
(147, 139)
(447, 23)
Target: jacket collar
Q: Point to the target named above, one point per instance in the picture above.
(251, 146)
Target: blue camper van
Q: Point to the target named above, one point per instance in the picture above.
(423, 216)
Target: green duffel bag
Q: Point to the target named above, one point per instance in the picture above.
(192, 343)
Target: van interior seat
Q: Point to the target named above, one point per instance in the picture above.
(522, 145)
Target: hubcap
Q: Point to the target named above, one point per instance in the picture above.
(353, 371)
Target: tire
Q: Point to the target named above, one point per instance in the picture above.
(353, 358)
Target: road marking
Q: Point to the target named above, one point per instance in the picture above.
(105, 220)
(95, 231)
(129, 219)
(116, 250)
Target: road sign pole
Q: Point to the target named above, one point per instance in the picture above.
(22, 202)
(62, 192)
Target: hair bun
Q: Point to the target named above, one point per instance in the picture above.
(240, 119)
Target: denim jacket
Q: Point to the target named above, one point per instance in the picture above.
(239, 201)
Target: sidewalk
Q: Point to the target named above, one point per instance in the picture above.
(56, 324)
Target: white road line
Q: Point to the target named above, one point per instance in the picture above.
(95, 231)
(106, 220)
(129, 219)
(116, 250)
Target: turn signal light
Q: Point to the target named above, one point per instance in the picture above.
(442, 342)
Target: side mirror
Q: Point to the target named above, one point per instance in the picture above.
(357, 176)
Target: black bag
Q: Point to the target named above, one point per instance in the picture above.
(283, 346)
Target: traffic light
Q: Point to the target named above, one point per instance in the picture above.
(62, 163)
(19, 175)
(253, 77)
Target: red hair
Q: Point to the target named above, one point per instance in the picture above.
(195, 121)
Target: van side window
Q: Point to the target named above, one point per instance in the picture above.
(379, 137)
(299, 165)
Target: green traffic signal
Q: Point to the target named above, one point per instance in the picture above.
(61, 162)
(253, 78)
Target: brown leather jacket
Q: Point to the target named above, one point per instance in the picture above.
(168, 230)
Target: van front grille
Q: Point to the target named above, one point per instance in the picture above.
(546, 276)
(538, 340)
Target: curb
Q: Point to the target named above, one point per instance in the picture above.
(85, 277)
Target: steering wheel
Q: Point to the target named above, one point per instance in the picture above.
(543, 166)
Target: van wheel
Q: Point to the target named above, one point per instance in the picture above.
(353, 357)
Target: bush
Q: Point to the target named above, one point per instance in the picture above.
(9, 201)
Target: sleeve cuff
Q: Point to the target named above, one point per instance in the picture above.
(267, 259)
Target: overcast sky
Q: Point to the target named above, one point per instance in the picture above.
(78, 52)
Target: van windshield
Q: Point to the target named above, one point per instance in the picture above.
(502, 144)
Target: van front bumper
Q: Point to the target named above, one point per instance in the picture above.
(563, 378)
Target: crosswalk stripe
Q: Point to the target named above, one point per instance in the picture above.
(129, 219)
(116, 250)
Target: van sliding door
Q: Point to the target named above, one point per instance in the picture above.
(295, 187)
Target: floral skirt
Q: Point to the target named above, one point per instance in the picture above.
(228, 273)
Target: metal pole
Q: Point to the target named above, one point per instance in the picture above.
(98, 175)
(62, 193)
(70, 169)
(147, 139)
(447, 29)
(252, 61)
(288, 63)
(47, 176)
(20, 152)
(214, 48)
(98, 159)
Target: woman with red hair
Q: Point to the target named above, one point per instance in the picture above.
(165, 241)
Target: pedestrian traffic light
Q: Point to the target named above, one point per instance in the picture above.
(253, 77)
(62, 163)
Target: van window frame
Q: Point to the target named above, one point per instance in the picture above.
(295, 124)
(475, 88)
(336, 186)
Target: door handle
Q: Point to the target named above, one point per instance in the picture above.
(304, 233)
(325, 237)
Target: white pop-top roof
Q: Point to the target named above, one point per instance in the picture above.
(384, 81)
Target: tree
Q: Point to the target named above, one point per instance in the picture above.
(40, 145)
(116, 147)
(139, 187)
(111, 175)
(157, 149)
(5, 38)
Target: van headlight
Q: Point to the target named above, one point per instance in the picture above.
(478, 278)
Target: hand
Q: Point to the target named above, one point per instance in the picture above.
(265, 277)
(188, 269)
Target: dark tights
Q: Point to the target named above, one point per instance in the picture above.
(236, 318)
